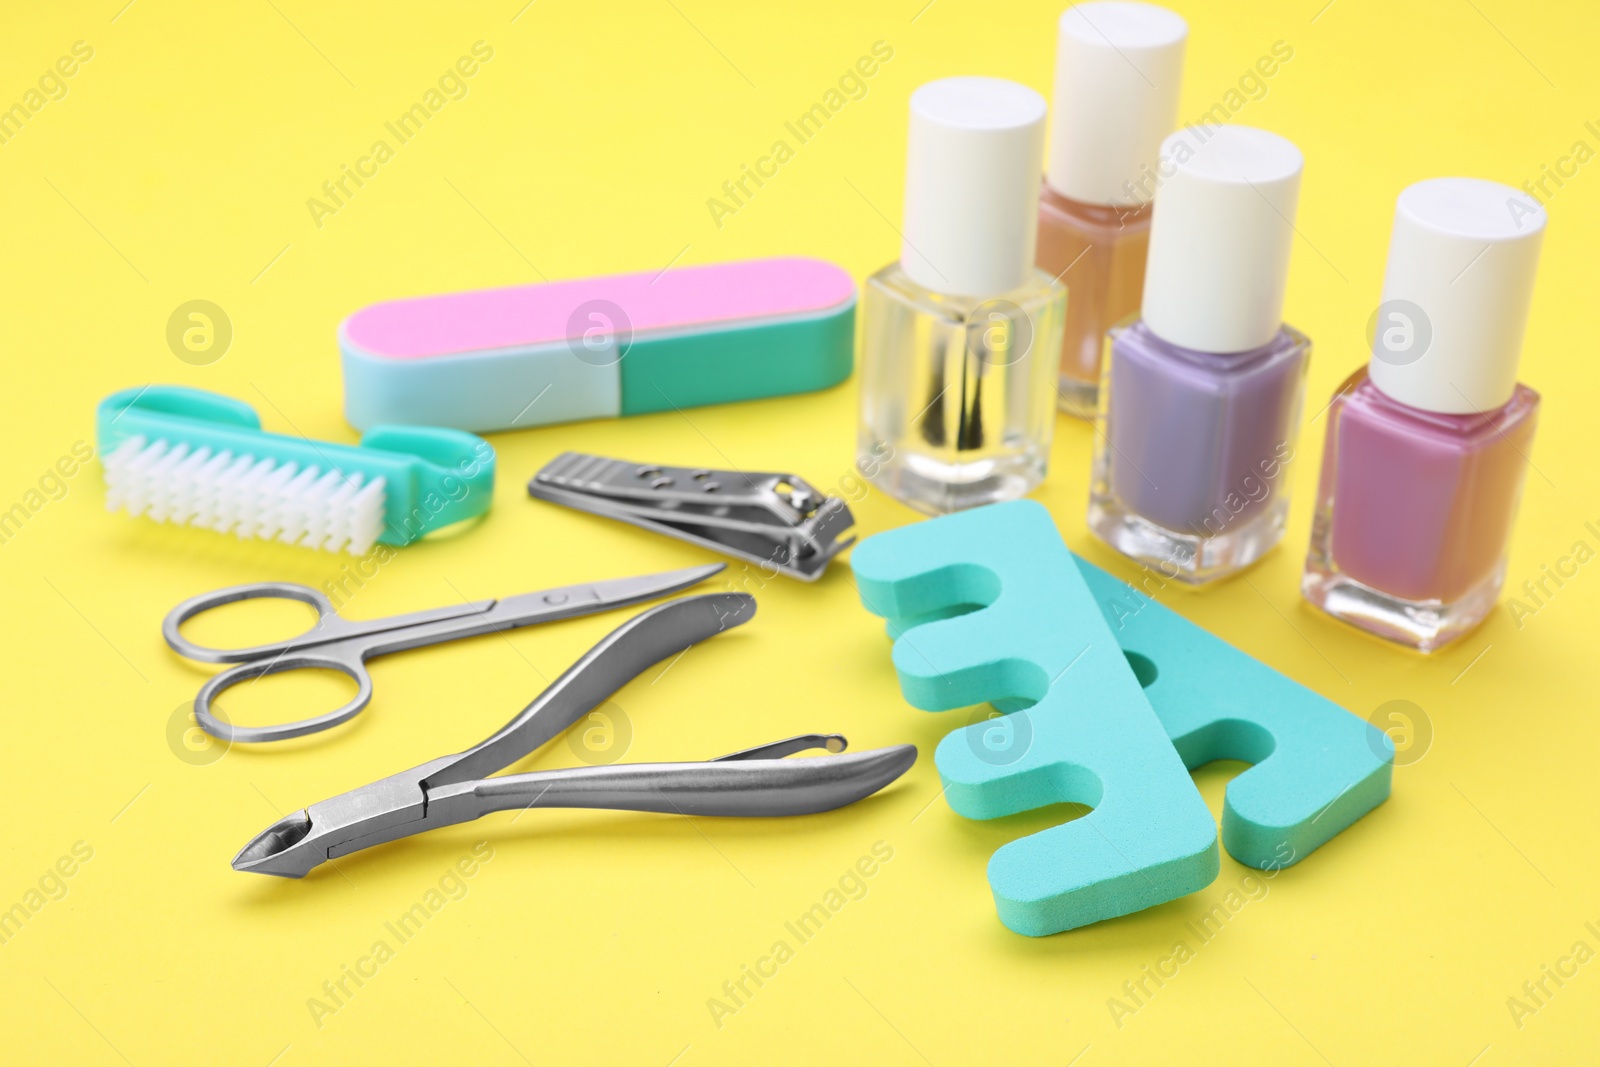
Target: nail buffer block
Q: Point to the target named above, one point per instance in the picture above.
(628, 344)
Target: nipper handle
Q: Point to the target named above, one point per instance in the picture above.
(757, 788)
(646, 639)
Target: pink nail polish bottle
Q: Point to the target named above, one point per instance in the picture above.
(1428, 444)
(1118, 69)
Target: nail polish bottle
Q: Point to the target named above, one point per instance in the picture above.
(1201, 395)
(1428, 444)
(1118, 68)
(960, 335)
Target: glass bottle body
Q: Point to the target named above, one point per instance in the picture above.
(1098, 252)
(1192, 455)
(957, 393)
(1414, 513)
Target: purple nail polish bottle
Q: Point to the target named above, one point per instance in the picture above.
(1200, 395)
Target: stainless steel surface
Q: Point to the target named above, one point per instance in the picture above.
(743, 788)
(339, 644)
(453, 789)
(788, 746)
(772, 519)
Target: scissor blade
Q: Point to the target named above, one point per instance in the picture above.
(616, 592)
(590, 597)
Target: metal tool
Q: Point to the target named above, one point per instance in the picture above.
(339, 644)
(452, 789)
(775, 520)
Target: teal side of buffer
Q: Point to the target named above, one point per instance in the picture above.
(1318, 768)
(744, 361)
(1088, 736)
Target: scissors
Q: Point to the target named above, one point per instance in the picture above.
(336, 643)
(451, 789)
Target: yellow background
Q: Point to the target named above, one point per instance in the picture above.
(178, 167)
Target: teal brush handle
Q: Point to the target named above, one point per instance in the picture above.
(433, 477)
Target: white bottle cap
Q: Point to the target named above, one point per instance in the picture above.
(1455, 295)
(972, 185)
(1220, 237)
(1118, 67)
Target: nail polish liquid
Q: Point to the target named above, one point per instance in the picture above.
(1415, 549)
(1200, 396)
(1427, 446)
(1098, 252)
(1197, 447)
(960, 335)
(1118, 70)
(957, 406)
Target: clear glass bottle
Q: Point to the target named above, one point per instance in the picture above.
(1200, 395)
(1427, 445)
(960, 336)
(1119, 67)
(957, 399)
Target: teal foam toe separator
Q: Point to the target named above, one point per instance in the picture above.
(1090, 736)
(1317, 768)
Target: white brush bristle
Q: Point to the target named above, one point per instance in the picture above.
(249, 497)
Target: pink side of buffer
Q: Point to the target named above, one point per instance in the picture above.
(420, 327)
